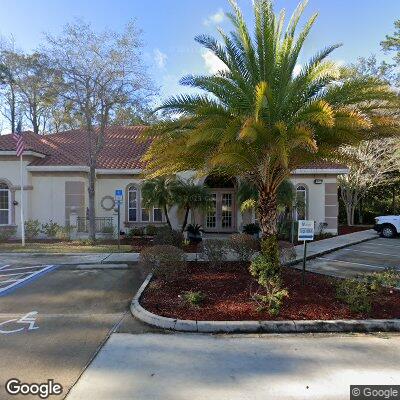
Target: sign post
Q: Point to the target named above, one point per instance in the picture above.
(305, 234)
(118, 199)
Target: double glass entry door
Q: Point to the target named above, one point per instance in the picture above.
(221, 216)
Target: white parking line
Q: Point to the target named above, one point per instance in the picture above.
(21, 268)
(387, 245)
(28, 276)
(372, 252)
(351, 262)
(18, 273)
(4, 266)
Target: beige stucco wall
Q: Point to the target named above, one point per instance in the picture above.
(44, 195)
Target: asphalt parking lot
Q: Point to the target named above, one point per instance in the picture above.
(52, 324)
(370, 256)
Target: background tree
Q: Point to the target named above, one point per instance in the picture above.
(259, 120)
(38, 87)
(157, 192)
(100, 73)
(370, 164)
(190, 196)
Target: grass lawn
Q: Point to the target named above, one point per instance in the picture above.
(62, 247)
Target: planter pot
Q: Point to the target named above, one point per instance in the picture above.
(194, 239)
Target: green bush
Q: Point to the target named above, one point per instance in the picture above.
(32, 228)
(108, 229)
(7, 232)
(166, 261)
(270, 249)
(389, 277)
(267, 275)
(193, 298)
(64, 233)
(244, 245)
(166, 236)
(51, 229)
(214, 250)
(356, 294)
(137, 231)
(151, 230)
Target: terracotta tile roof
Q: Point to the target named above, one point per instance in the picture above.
(122, 149)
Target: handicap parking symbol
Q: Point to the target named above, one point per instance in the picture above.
(28, 322)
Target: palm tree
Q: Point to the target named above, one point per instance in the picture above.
(259, 118)
(157, 193)
(190, 196)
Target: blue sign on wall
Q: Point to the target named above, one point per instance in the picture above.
(119, 194)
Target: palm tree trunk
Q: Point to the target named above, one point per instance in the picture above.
(167, 217)
(186, 219)
(268, 213)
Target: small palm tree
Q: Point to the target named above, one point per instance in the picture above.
(259, 119)
(190, 196)
(157, 193)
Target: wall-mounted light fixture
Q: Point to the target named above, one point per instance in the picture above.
(15, 203)
(318, 181)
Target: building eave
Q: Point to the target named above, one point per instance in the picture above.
(26, 153)
(320, 171)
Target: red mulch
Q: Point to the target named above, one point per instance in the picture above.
(140, 243)
(345, 229)
(228, 291)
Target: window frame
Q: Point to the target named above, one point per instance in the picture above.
(302, 188)
(133, 188)
(8, 191)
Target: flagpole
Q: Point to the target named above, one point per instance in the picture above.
(22, 202)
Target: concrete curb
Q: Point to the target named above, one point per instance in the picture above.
(368, 325)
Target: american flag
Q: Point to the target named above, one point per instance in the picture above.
(19, 139)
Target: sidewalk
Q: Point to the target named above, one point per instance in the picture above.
(320, 247)
(250, 367)
(313, 249)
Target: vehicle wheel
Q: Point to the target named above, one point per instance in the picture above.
(388, 231)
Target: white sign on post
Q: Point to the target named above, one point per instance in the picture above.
(119, 195)
(306, 231)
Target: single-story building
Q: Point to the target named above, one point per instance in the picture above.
(55, 182)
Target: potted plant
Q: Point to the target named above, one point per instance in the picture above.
(194, 232)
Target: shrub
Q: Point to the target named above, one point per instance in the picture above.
(214, 250)
(356, 294)
(32, 228)
(389, 277)
(151, 230)
(50, 229)
(107, 229)
(193, 298)
(244, 245)
(64, 233)
(166, 236)
(251, 229)
(270, 249)
(135, 232)
(165, 260)
(6, 232)
(268, 277)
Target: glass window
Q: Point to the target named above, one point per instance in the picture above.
(211, 219)
(132, 204)
(301, 202)
(4, 204)
(157, 215)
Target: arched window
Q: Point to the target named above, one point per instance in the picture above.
(301, 202)
(132, 204)
(5, 200)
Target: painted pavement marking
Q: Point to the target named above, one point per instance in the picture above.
(372, 252)
(12, 325)
(25, 277)
(350, 262)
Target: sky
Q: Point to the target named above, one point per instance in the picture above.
(169, 28)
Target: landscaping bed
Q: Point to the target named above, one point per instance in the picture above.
(227, 296)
